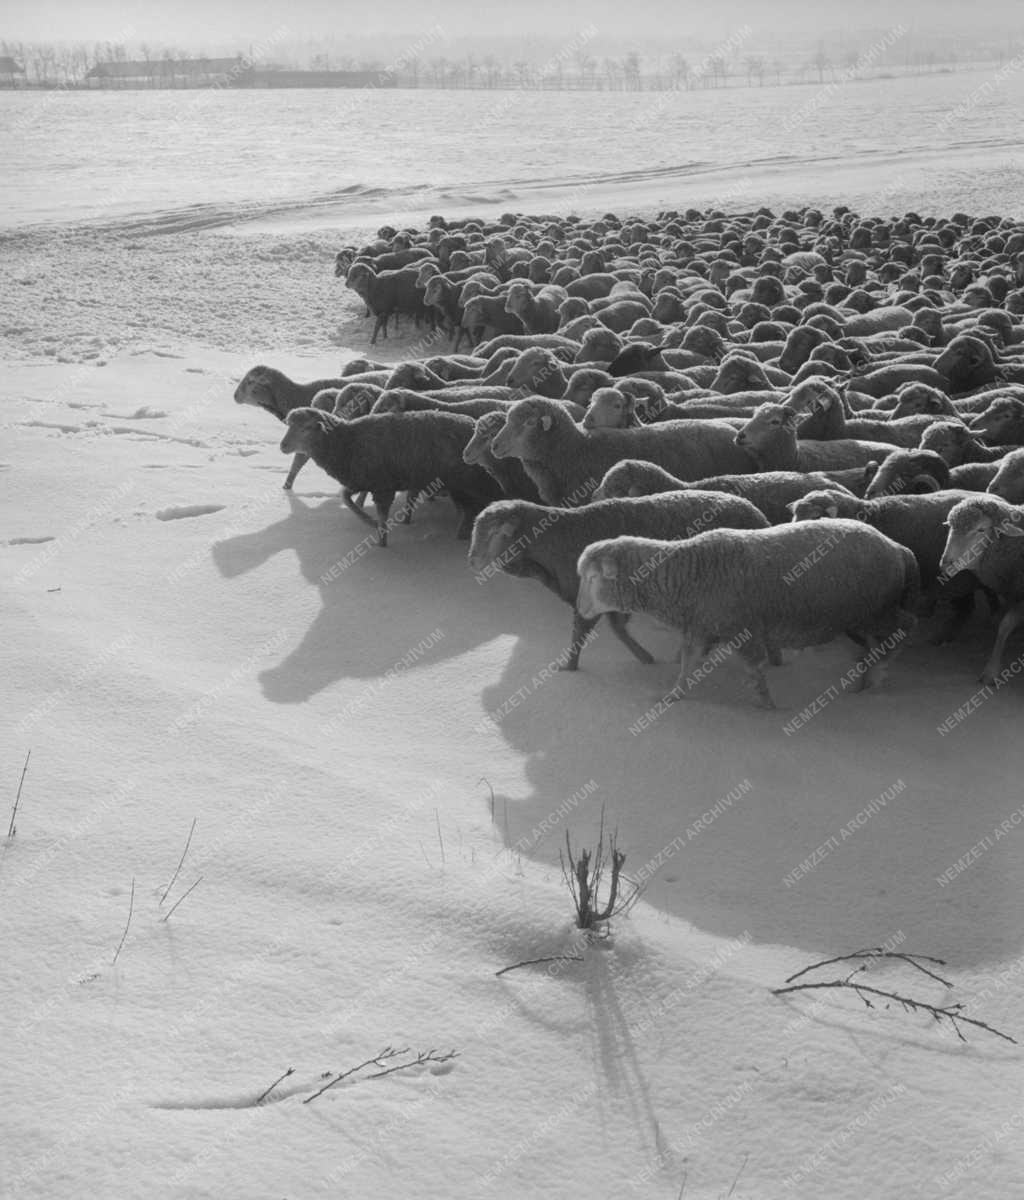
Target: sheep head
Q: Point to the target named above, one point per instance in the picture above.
(527, 426)
(257, 388)
(598, 568)
(584, 383)
(1008, 482)
(948, 439)
(484, 432)
(769, 422)
(975, 526)
(1000, 422)
(739, 373)
(919, 399)
(610, 409)
(498, 535)
(306, 426)
(966, 362)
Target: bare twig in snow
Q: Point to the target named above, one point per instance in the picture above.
(167, 916)
(11, 831)
(877, 952)
(387, 1053)
(422, 1057)
(263, 1095)
(529, 962)
(743, 1165)
(440, 839)
(180, 863)
(131, 909)
(952, 1012)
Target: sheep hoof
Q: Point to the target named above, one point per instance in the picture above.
(571, 665)
(988, 679)
(287, 486)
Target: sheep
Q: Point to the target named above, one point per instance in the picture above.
(538, 310)
(1002, 423)
(543, 543)
(918, 399)
(523, 341)
(414, 452)
(386, 294)
(968, 363)
(770, 436)
(984, 537)
(957, 444)
(508, 472)
(917, 522)
(611, 409)
(762, 591)
(272, 390)
(829, 421)
(1008, 481)
(770, 491)
(486, 312)
(888, 379)
(567, 462)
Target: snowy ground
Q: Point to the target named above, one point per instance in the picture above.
(187, 641)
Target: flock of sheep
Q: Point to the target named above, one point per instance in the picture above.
(762, 430)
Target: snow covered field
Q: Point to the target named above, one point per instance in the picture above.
(185, 641)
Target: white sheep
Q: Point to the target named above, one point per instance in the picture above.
(764, 590)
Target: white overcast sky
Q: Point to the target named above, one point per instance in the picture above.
(205, 23)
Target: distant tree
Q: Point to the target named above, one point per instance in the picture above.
(756, 67)
(492, 70)
(585, 64)
(680, 70)
(631, 71)
(821, 62)
(719, 69)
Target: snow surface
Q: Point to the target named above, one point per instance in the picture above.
(184, 640)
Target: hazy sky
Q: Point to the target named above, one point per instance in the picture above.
(210, 23)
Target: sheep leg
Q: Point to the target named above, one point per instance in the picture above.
(581, 628)
(380, 325)
(382, 501)
(346, 495)
(1013, 617)
(618, 623)
(298, 462)
(691, 653)
(405, 516)
(962, 607)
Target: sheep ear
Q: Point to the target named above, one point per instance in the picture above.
(609, 568)
(788, 417)
(546, 422)
(832, 510)
(925, 483)
(870, 470)
(1011, 526)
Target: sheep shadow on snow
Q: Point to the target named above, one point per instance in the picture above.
(375, 608)
(927, 798)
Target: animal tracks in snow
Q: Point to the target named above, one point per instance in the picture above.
(180, 512)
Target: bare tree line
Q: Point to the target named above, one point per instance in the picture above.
(69, 64)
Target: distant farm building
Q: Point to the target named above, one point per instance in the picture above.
(169, 72)
(224, 72)
(12, 73)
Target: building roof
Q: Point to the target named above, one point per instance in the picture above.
(155, 67)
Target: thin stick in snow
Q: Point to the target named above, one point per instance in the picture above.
(529, 962)
(880, 952)
(131, 909)
(422, 1057)
(383, 1056)
(179, 900)
(484, 779)
(180, 863)
(437, 818)
(263, 1095)
(21, 783)
(738, 1174)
